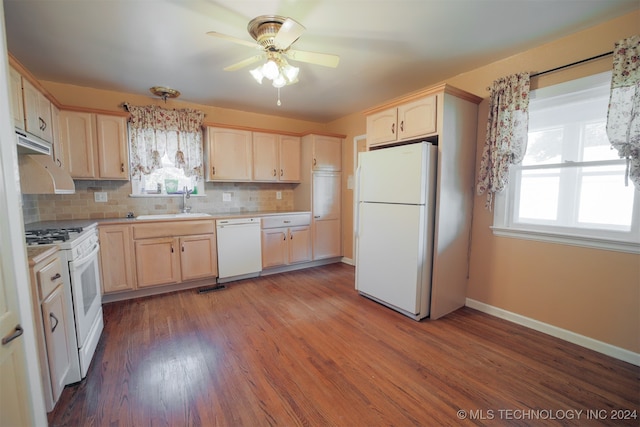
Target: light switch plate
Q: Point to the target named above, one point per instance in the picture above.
(100, 197)
(226, 197)
(279, 195)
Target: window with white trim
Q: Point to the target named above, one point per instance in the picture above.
(570, 186)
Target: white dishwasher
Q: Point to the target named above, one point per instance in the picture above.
(239, 248)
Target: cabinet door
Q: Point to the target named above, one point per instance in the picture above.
(381, 127)
(289, 155)
(17, 105)
(77, 132)
(56, 140)
(198, 257)
(44, 113)
(54, 318)
(157, 261)
(327, 153)
(230, 155)
(265, 156)
(116, 258)
(274, 247)
(31, 97)
(112, 147)
(299, 244)
(417, 118)
(327, 233)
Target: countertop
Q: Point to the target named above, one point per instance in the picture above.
(39, 253)
(214, 216)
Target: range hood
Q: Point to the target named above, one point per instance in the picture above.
(28, 144)
(39, 175)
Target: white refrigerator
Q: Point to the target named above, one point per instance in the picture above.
(394, 230)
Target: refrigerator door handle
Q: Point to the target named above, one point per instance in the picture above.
(357, 207)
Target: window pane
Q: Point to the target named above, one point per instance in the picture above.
(539, 196)
(605, 200)
(596, 143)
(544, 147)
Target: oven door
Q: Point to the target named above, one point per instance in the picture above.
(85, 286)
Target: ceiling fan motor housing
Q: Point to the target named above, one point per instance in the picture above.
(264, 29)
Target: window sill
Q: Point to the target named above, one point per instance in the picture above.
(566, 239)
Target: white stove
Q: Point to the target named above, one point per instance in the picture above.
(79, 250)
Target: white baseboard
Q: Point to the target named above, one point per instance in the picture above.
(581, 340)
(348, 261)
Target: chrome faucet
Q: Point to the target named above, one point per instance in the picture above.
(186, 194)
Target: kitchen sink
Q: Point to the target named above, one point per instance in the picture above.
(173, 216)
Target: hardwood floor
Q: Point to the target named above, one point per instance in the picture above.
(304, 349)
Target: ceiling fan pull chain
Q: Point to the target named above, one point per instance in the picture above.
(278, 103)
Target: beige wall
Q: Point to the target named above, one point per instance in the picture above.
(594, 293)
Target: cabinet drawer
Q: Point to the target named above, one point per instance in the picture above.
(286, 220)
(172, 228)
(49, 277)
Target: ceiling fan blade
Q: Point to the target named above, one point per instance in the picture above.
(234, 39)
(288, 33)
(324, 59)
(244, 63)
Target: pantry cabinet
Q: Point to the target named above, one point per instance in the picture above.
(326, 209)
(37, 111)
(286, 240)
(173, 252)
(17, 105)
(116, 258)
(276, 158)
(229, 154)
(404, 122)
(95, 145)
(325, 152)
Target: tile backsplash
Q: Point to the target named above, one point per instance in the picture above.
(245, 197)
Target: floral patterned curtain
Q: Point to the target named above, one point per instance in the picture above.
(623, 120)
(158, 134)
(507, 127)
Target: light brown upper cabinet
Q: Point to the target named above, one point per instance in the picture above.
(326, 152)
(404, 122)
(37, 112)
(95, 145)
(276, 158)
(229, 152)
(17, 105)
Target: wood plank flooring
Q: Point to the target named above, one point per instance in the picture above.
(304, 349)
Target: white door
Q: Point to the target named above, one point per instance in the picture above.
(395, 175)
(390, 266)
(21, 397)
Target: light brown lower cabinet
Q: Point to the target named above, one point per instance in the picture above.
(286, 239)
(116, 258)
(173, 252)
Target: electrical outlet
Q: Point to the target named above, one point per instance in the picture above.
(226, 197)
(100, 197)
(279, 195)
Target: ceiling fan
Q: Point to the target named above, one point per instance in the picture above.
(274, 35)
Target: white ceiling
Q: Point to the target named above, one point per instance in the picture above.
(387, 48)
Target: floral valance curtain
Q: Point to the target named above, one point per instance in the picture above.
(506, 141)
(623, 120)
(161, 137)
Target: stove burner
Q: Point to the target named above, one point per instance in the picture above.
(48, 236)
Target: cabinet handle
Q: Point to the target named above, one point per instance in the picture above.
(55, 277)
(316, 216)
(213, 170)
(12, 336)
(121, 167)
(393, 128)
(53, 327)
(287, 221)
(402, 126)
(171, 248)
(314, 161)
(284, 236)
(281, 172)
(44, 125)
(290, 236)
(182, 248)
(59, 163)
